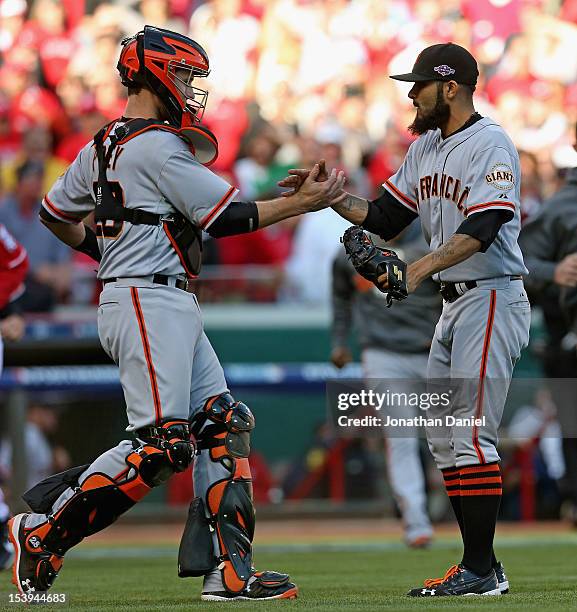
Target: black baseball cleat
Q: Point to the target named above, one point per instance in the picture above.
(265, 586)
(33, 571)
(499, 572)
(501, 578)
(460, 581)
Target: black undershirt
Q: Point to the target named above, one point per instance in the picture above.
(387, 217)
(484, 226)
(237, 218)
(470, 121)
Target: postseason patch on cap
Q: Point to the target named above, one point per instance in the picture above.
(444, 70)
(501, 177)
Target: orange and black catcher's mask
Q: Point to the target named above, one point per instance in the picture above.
(167, 63)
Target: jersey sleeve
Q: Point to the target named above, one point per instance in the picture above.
(70, 199)
(493, 180)
(195, 191)
(403, 184)
(387, 217)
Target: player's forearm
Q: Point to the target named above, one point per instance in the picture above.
(352, 208)
(71, 234)
(76, 235)
(273, 211)
(456, 250)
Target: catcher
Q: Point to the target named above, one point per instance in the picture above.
(144, 176)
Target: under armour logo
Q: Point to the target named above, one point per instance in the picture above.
(26, 585)
(35, 542)
(428, 591)
(503, 196)
(444, 70)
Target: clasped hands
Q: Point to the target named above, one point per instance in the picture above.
(316, 188)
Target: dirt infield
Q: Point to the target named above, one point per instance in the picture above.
(311, 531)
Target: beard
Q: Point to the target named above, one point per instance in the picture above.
(435, 118)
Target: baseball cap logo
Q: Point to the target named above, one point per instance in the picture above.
(444, 70)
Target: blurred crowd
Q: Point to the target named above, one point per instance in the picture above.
(291, 81)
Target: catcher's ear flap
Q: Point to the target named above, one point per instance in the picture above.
(203, 142)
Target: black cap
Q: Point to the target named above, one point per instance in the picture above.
(444, 62)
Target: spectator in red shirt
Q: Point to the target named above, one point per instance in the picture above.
(89, 121)
(54, 43)
(13, 269)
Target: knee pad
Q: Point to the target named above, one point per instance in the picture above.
(223, 427)
(223, 430)
(101, 499)
(174, 439)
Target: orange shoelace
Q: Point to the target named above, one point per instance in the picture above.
(431, 582)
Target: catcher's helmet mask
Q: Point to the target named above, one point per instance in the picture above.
(167, 63)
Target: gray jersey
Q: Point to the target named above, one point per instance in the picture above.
(446, 180)
(155, 172)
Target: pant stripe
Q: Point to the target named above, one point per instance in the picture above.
(147, 354)
(482, 373)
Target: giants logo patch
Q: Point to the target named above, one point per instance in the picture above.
(501, 177)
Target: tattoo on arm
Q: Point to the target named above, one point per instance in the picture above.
(352, 208)
(444, 254)
(458, 248)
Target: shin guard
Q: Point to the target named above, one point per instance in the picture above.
(101, 499)
(223, 430)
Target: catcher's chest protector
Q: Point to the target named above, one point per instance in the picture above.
(184, 236)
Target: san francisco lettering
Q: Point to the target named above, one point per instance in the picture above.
(444, 186)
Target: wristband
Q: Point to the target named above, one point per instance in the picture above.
(89, 246)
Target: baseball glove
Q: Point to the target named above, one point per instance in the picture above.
(371, 261)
